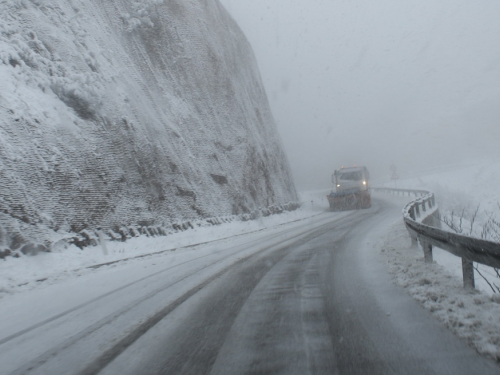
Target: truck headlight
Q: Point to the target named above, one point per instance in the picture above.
(364, 182)
(338, 185)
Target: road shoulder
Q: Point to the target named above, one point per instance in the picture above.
(470, 314)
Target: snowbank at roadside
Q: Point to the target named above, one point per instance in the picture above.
(471, 314)
(26, 272)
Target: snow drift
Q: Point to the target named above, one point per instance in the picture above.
(129, 113)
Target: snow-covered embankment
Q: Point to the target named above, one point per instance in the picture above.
(116, 114)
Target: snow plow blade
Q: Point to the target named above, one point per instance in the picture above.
(349, 200)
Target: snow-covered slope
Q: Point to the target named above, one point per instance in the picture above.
(470, 191)
(461, 188)
(129, 112)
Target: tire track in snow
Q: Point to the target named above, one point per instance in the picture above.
(109, 355)
(138, 330)
(103, 296)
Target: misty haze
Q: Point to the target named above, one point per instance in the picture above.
(249, 187)
(411, 83)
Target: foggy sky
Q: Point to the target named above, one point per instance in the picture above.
(414, 83)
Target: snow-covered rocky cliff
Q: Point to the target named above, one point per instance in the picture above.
(129, 113)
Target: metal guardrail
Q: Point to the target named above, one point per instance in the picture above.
(418, 217)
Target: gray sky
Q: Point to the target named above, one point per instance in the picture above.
(414, 83)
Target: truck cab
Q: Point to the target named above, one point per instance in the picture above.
(353, 178)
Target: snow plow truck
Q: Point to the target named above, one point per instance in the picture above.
(350, 189)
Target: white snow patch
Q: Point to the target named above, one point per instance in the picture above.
(462, 188)
(30, 272)
(471, 314)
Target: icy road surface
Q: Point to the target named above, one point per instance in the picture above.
(306, 297)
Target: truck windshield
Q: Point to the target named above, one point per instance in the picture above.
(350, 176)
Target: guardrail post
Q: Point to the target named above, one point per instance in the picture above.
(412, 213)
(427, 247)
(468, 273)
(423, 206)
(413, 238)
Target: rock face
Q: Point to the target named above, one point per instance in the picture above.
(129, 112)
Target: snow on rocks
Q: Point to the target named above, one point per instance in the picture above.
(67, 260)
(471, 314)
(109, 122)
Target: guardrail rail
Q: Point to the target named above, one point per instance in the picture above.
(420, 220)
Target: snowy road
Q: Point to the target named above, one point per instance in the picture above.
(305, 297)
